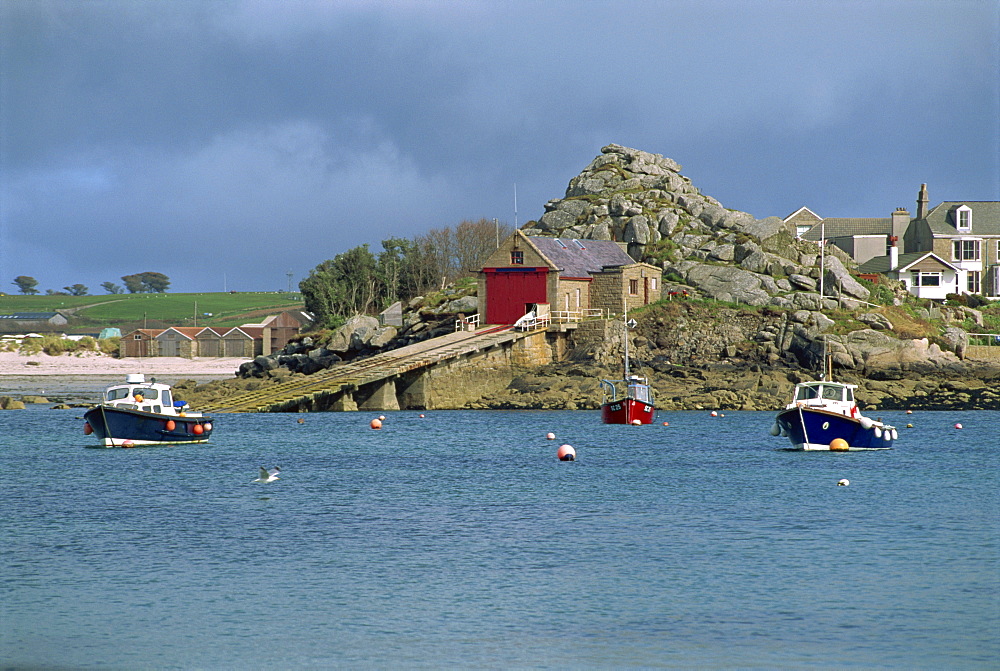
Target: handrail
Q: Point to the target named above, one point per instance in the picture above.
(992, 339)
(533, 323)
(465, 323)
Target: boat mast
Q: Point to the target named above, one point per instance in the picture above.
(625, 332)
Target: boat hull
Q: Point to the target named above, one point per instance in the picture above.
(811, 429)
(123, 427)
(627, 411)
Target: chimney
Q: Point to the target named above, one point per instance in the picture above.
(893, 255)
(900, 222)
(922, 201)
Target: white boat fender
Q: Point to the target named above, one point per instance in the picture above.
(893, 434)
(878, 432)
(775, 429)
(843, 482)
(866, 423)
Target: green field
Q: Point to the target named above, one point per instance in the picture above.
(130, 310)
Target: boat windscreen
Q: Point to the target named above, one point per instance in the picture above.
(117, 393)
(804, 393)
(639, 392)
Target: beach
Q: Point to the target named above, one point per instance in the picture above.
(84, 376)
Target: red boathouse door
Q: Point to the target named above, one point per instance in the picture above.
(508, 290)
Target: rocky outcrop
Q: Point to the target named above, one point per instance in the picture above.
(642, 199)
(8, 403)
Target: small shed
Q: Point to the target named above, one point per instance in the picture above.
(26, 322)
(243, 342)
(140, 343)
(208, 343)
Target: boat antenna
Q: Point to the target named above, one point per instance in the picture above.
(515, 206)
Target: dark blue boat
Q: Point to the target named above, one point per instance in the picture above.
(144, 413)
(823, 415)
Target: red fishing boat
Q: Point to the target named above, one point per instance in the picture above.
(629, 400)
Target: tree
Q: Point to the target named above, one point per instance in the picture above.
(112, 288)
(475, 241)
(133, 283)
(148, 282)
(26, 285)
(349, 284)
(77, 290)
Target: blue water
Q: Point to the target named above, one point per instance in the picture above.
(458, 540)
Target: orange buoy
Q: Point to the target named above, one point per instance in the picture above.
(636, 422)
(550, 436)
(839, 445)
(381, 418)
(138, 398)
(715, 414)
(197, 429)
(566, 453)
(421, 416)
(666, 424)
(958, 426)
(171, 425)
(376, 423)
(302, 420)
(87, 429)
(128, 443)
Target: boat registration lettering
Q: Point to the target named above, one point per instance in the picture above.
(615, 407)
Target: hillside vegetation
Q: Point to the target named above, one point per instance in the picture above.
(89, 313)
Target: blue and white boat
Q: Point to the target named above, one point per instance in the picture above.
(144, 413)
(823, 415)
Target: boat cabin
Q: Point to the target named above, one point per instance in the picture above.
(639, 389)
(137, 394)
(833, 396)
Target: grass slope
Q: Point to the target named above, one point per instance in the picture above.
(115, 310)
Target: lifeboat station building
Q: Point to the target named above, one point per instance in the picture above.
(568, 279)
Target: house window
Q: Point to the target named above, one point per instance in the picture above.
(633, 287)
(963, 218)
(137, 336)
(652, 284)
(578, 299)
(974, 283)
(965, 250)
(517, 258)
(926, 279)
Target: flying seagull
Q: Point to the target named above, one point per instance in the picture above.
(268, 475)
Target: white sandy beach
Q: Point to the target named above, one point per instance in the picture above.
(90, 373)
(12, 363)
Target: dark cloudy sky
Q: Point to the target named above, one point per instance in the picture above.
(228, 143)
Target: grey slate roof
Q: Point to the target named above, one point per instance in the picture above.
(572, 261)
(985, 218)
(31, 316)
(880, 264)
(835, 227)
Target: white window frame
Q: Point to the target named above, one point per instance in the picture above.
(919, 275)
(959, 251)
(974, 282)
(967, 211)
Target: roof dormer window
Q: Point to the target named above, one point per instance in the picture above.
(963, 218)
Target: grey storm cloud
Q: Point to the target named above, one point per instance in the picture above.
(249, 138)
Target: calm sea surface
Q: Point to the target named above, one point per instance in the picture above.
(458, 540)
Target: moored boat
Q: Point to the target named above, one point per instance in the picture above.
(138, 412)
(629, 400)
(823, 415)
